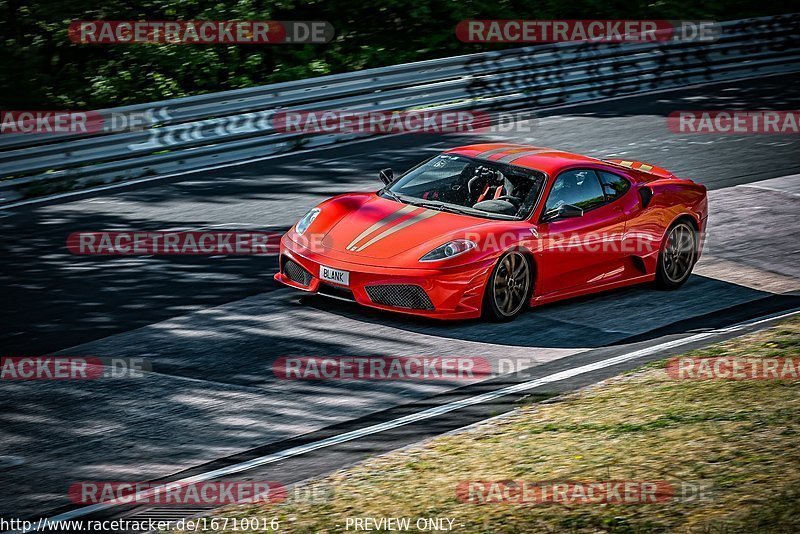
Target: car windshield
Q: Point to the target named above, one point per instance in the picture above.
(469, 186)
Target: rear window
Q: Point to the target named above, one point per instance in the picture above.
(614, 186)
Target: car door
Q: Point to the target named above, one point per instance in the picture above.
(639, 240)
(579, 251)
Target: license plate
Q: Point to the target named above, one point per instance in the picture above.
(334, 275)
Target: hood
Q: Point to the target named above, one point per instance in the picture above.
(380, 228)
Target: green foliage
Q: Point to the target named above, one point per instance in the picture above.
(42, 69)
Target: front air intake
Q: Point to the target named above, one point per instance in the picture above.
(400, 296)
(296, 273)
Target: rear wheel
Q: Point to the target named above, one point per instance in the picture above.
(509, 287)
(677, 257)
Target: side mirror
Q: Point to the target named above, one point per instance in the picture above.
(564, 211)
(386, 176)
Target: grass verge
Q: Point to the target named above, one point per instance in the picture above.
(738, 441)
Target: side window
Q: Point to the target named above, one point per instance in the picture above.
(613, 185)
(579, 187)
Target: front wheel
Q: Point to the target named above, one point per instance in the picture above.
(509, 288)
(678, 256)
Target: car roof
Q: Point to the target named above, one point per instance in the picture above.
(548, 160)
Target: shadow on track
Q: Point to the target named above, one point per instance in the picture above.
(609, 318)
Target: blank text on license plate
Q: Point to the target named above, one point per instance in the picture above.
(334, 275)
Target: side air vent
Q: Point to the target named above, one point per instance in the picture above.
(646, 194)
(638, 263)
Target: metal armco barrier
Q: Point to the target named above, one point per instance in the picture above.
(205, 130)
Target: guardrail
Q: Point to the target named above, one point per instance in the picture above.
(224, 127)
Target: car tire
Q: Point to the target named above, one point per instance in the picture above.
(508, 294)
(677, 257)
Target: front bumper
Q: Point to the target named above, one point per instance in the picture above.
(452, 293)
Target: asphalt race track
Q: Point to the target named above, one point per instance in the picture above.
(212, 326)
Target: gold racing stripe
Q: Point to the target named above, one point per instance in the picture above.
(426, 214)
(486, 153)
(406, 209)
(508, 158)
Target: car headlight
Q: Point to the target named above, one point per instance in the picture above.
(449, 250)
(305, 222)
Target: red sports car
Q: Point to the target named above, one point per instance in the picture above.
(486, 230)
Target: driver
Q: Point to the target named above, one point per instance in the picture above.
(494, 183)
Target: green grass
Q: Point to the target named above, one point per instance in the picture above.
(736, 439)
